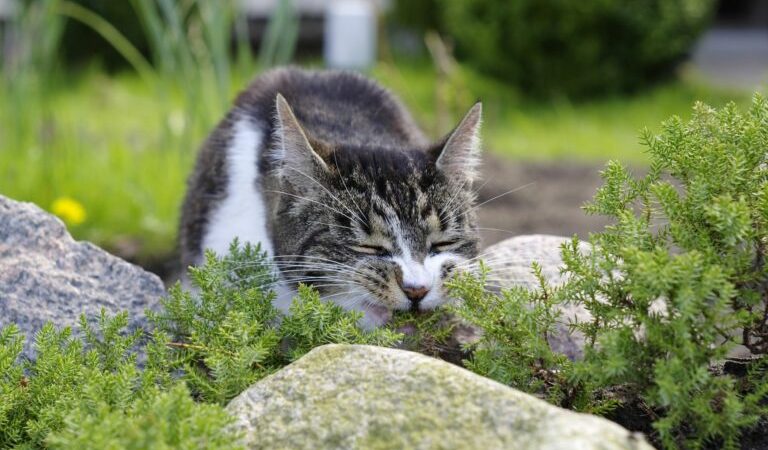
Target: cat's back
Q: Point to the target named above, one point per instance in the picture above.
(337, 107)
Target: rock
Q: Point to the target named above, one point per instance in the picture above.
(45, 275)
(354, 396)
(510, 262)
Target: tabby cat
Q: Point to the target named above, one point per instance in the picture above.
(328, 171)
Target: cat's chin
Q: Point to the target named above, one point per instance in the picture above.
(374, 316)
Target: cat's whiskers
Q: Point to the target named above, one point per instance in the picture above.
(348, 275)
(316, 278)
(349, 299)
(328, 273)
(448, 209)
(485, 256)
(299, 267)
(359, 218)
(335, 225)
(308, 268)
(468, 210)
(295, 260)
(346, 189)
(325, 205)
(474, 259)
(366, 266)
(451, 208)
(329, 270)
(497, 229)
(511, 191)
(311, 281)
(495, 261)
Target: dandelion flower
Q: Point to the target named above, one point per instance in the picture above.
(69, 210)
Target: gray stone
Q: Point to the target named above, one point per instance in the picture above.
(45, 275)
(353, 396)
(510, 263)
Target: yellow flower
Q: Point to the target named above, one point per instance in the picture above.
(69, 210)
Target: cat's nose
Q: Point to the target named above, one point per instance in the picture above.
(415, 293)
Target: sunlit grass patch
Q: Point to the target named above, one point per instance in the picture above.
(590, 131)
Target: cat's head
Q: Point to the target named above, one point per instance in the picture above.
(380, 228)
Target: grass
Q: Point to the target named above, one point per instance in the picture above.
(122, 146)
(113, 146)
(588, 132)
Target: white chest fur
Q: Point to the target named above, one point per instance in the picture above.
(242, 214)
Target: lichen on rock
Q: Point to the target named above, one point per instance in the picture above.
(354, 396)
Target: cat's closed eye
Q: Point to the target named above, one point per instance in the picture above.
(375, 250)
(442, 246)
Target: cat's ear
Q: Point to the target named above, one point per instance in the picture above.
(299, 161)
(459, 157)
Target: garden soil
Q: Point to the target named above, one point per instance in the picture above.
(536, 198)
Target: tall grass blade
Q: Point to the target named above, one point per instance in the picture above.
(111, 34)
(279, 43)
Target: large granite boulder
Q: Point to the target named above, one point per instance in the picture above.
(355, 396)
(510, 262)
(45, 275)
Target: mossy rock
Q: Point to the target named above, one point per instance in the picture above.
(355, 396)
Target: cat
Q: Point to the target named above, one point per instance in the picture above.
(328, 171)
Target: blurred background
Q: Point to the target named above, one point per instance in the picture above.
(103, 104)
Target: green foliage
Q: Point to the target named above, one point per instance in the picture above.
(91, 393)
(419, 15)
(431, 333)
(278, 44)
(229, 335)
(330, 324)
(673, 286)
(681, 273)
(169, 419)
(80, 42)
(225, 337)
(575, 48)
(516, 326)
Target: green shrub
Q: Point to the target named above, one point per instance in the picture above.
(228, 335)
(90, 392)
(673, 285)
(167, 419)
(685, 264)
(576, 48)
(515, 348)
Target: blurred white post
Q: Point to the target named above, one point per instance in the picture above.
(7, 9)
(350, 34)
